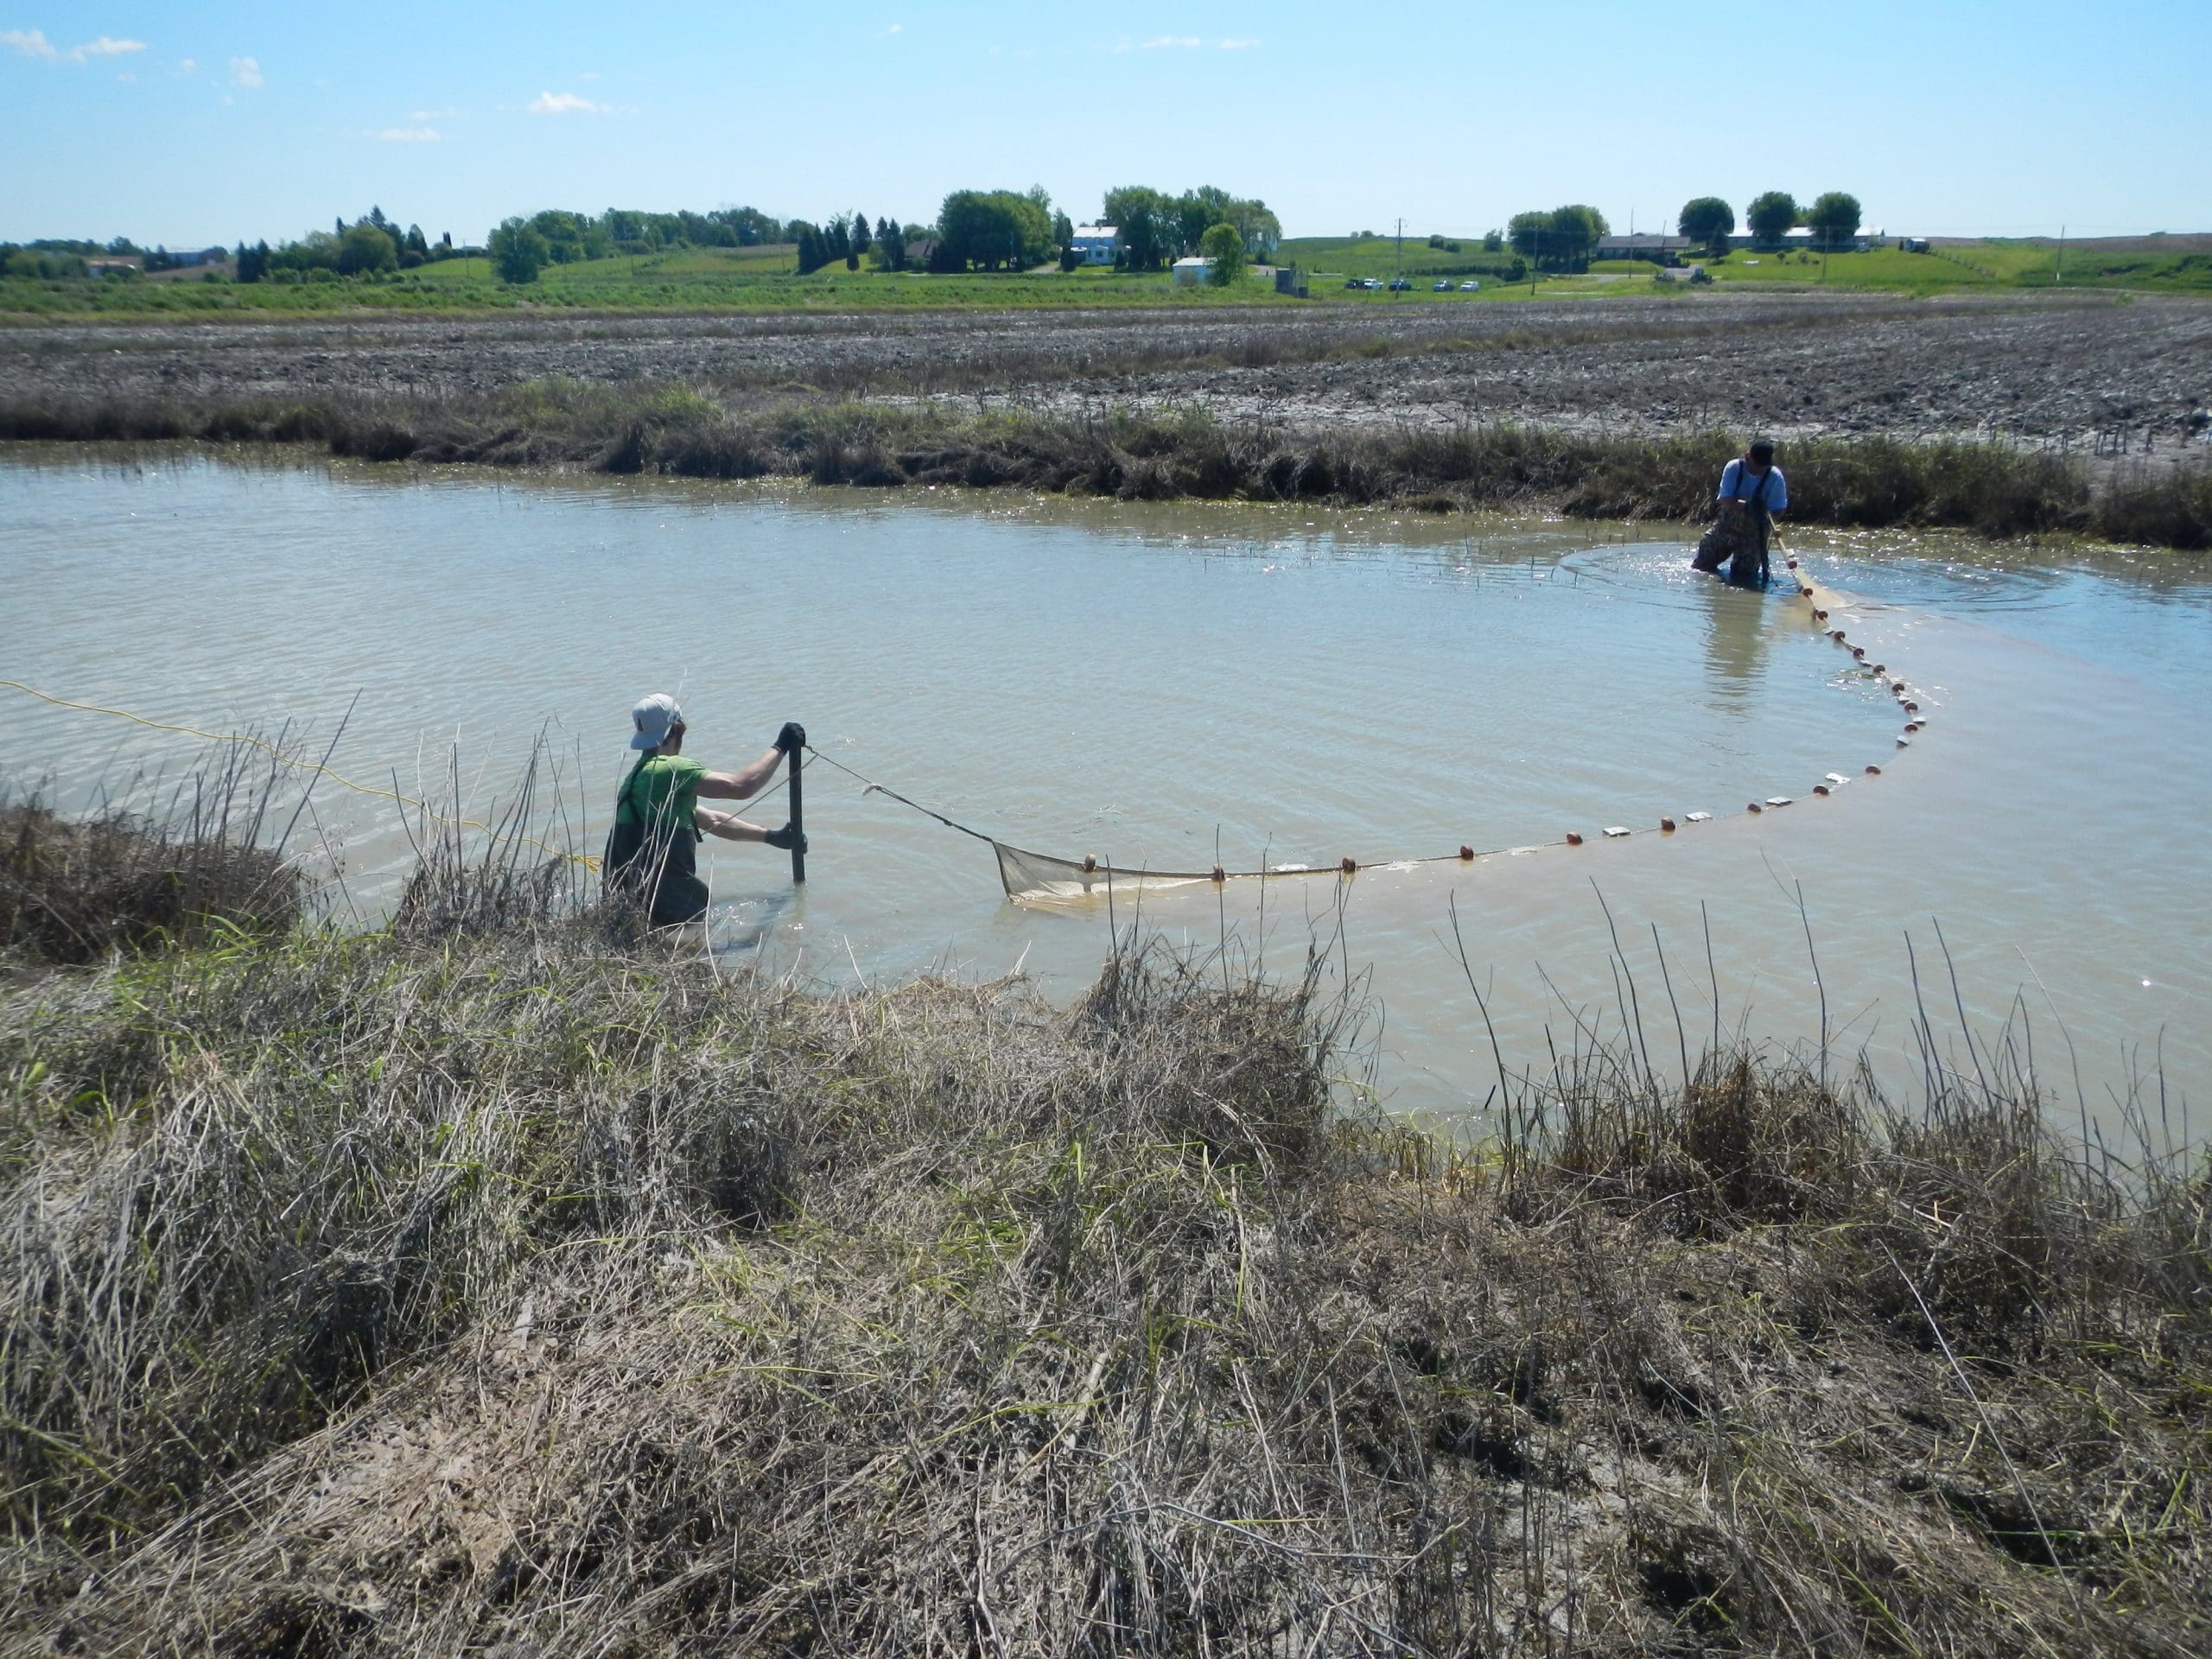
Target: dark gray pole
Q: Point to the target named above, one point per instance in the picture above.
(798, 825)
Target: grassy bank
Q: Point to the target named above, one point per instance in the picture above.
(1994, 489)
(524, 1287)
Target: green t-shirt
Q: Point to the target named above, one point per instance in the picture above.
(662, 791)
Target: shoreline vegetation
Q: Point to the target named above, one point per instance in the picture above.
(767, 279)
(1992, 488)
(501, 1280)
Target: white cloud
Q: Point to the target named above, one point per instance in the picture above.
(589, 74)
(188, 68)
(31, 42)
(448, 114)
(411, 135)
(107, 47)
(1172, 42)
(1239, 44)
(246, 72)
(564, 103)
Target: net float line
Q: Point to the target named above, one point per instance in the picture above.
(1030, 876)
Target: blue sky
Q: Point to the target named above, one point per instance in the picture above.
(189, 124)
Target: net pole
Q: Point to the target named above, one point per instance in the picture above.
(798, 821)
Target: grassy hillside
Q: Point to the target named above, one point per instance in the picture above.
(764, 279)
(692, 279)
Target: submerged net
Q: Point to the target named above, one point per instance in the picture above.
(1040, 878)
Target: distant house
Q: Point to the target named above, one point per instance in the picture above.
(1801, 237)
(1660, 249)
(1189, 273)
(1096, 245)
(920, 251)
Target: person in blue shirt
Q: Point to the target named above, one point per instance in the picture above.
(1752, 491)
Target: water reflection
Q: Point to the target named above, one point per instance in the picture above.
(1737, 625)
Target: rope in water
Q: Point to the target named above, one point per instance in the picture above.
(249, 740)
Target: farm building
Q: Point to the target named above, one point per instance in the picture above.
(1188, 273)
(1660, 249)
(1096, 245)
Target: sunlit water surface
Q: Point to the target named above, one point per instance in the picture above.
(1171, 686)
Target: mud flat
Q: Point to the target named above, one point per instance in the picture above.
(2078, 370)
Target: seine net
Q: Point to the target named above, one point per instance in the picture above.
(1040, 877)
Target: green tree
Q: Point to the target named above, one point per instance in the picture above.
(1493, 241)
(857, 250)
(1708, 221)
(1223, 245)
(1575, 231)
(1063, 229)
(837, 240)
(890, 244)
(994, 229)
(519, 251)
(1528, 232)
(1834, 220)
(813, 247)
(1147, 223)
(366, 249)
(1256, 223)
(1770, 216)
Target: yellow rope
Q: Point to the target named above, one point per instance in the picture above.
(588, 862)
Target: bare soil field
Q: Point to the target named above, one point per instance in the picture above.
(2086, 373)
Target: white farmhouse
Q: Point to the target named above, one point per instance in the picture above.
(1096, 245)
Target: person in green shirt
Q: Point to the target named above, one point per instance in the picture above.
(651, 852)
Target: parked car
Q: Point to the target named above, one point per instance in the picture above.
(1355, 281)
(1471, 288)
(1439, 287)
(1401, 285)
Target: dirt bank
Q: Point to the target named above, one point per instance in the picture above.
(2089, 373)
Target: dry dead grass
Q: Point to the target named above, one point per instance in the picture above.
(516, 1287)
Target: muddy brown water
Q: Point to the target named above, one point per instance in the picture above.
(1175, 686)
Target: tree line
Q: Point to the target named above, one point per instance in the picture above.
(1832, 218)
(1559, 240)
(974, 229)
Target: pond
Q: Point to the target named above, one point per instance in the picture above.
(1178, 686)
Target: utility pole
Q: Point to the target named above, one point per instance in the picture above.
(1402, 249)
(2057, 264)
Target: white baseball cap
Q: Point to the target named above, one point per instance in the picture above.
(652, 717)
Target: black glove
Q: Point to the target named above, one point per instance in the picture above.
(785, 840)
(793, 738)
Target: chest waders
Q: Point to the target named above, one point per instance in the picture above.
(652, 860)
(1748, 566)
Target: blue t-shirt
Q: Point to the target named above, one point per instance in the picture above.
(1737, 482)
